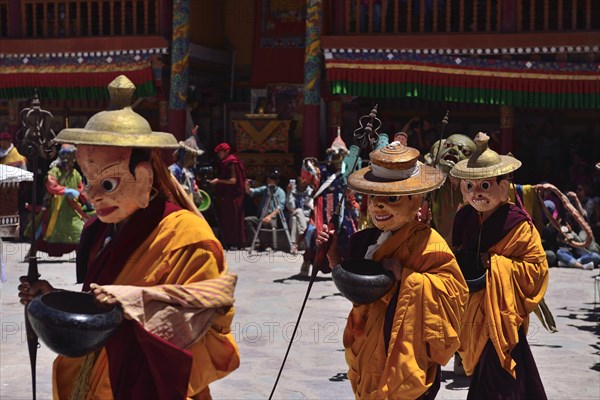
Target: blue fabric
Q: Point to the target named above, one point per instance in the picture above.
(72, 193)
(177, 172)
(563, 254)
(278, 198)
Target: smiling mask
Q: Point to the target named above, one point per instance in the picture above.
(390, 213)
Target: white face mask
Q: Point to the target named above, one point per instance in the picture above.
(109, 185)
(484, 194)
(390, 213)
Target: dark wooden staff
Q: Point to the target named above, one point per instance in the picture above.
(364, 136)
(35, 141)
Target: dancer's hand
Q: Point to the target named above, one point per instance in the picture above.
(333, 255)
(27, 291)
(103, 298)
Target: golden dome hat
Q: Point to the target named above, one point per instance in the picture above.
(118, 126)
(395, 170)
(484, 162)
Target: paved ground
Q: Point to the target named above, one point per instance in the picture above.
(269, 295)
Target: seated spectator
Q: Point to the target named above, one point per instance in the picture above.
(561, 253)
(271, 206)
(574, 257)
(549, 235)
(586, 203)
(300, 205)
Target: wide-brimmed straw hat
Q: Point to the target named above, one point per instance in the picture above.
(118, 126)
(484, 162)
(395, 170)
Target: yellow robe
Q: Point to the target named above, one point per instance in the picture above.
(531, 203)
(182, 249)
(515, 284)
(426, 322)
(14, 159)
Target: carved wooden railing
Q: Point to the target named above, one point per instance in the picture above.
(76, 18)
(468, 16)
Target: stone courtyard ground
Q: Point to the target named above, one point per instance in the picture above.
(268, 299)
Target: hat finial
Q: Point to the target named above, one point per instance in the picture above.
(121, 91)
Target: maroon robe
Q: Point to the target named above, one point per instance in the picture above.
(141, 364)
(230, 201)
(490, 380)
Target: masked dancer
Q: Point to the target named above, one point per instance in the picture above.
(501, 256)
(150, 252)
(394, 346)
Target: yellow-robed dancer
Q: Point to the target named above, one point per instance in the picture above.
(395, 345)
(501, 255)
(151, 252)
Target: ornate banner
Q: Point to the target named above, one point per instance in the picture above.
(74, 77)
(521, 83)
(262, 135)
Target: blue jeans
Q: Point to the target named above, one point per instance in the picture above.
(563, 254)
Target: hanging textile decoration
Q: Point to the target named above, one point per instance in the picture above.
(77, 77)
(385, 74)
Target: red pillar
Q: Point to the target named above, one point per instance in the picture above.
(312, 79)
(507, 113)
(14, 19)
(507, 131)
(311, 144)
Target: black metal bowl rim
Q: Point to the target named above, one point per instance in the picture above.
(113, 310)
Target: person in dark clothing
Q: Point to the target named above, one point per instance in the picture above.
(230, 185)
(500, 253)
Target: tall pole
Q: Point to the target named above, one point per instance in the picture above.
(313, 62)
(180, 59)
(35, 141)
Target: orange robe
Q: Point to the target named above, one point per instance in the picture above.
(515, 283)
(181, 250)
(14, 159)
(426, 322)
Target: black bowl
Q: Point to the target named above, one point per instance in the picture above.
(71, 323)
(362, 281)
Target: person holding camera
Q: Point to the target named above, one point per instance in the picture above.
(300, 205)
(271, 203)
(230, 188)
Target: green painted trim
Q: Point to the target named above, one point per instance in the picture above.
(467, 95)
(72, 93)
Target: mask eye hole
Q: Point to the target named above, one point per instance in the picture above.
(469, 185)
(467, 152)
(486, 185)
(447, 145)
(109, 184)
(393, 199)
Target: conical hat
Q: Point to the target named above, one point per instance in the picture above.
(395, 170)
(484, 162)
(118, 126)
